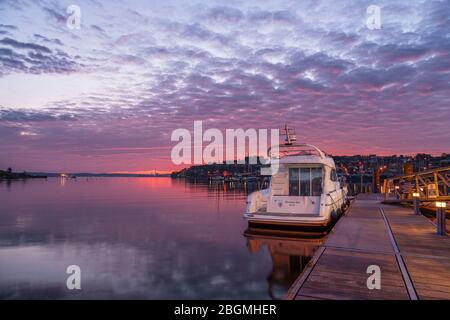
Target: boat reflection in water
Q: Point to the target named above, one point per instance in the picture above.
(290, 252)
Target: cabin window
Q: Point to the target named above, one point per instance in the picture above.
(316, 181)
(293, 182)
(305, 182)
(333, 176)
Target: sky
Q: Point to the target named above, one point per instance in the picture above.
(105, 97)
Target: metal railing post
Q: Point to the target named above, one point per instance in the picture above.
(416, 205)
(385, 189)
(440, 216)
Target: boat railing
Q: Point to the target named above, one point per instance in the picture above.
(297, 149)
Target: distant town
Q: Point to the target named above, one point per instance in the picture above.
(349, 166)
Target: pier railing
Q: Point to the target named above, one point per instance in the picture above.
(429, 186)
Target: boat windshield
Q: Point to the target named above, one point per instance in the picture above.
(305, 182)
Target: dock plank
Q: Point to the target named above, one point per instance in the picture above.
(361, 238)
(361, 234)
(341, 274)
(431, 276)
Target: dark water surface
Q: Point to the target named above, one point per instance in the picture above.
(143, 238)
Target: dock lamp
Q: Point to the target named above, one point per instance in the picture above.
(416, 202)
(440, 215)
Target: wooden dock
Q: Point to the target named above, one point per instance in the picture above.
(414, 261)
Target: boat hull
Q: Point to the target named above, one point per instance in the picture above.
(296, 221)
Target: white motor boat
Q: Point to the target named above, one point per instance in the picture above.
(305, 191)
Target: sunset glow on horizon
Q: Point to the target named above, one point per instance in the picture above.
(106, 97)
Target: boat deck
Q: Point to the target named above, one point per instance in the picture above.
(414, 261)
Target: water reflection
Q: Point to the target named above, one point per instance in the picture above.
(143, 238)
(289, 252)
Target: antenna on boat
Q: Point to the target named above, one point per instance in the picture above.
(290, 137)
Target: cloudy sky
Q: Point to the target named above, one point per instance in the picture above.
(107, 96)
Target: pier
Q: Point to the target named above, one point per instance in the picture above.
(414, 260)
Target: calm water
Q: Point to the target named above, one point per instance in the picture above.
(143, 238)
